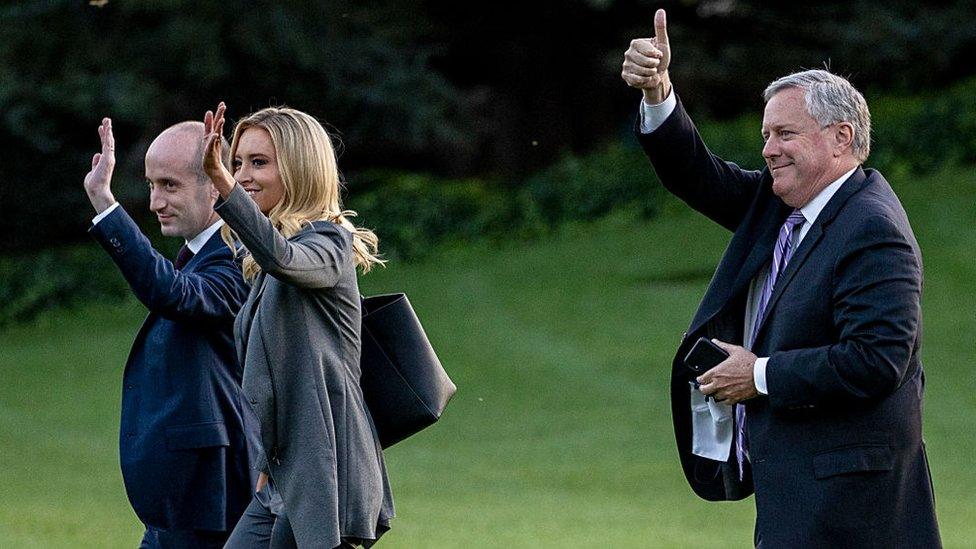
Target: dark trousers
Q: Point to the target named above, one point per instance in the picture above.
(259, 528)
(155, 538)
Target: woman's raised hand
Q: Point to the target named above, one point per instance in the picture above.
(213, 129)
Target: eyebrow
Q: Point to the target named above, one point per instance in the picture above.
(162, 181)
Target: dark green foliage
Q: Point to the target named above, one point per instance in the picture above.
(56, 278)
(922, 134)
(412, 213)
(589, 187)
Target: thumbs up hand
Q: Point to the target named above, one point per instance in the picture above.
(646, 62)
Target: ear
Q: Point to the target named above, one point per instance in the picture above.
(843, 138)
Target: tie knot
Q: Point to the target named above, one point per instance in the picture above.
(183, 257)
(795, 218)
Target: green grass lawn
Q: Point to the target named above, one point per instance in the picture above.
(560, 433)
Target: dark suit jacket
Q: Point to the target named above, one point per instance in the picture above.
(298, 336)
(836, 451)
(182, 441)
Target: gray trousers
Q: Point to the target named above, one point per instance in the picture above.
(260, 528)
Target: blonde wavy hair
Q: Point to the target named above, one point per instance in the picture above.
(310, 176)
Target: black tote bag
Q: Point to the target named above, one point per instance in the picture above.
(405, 387)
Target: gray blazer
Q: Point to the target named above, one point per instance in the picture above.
(298, 337)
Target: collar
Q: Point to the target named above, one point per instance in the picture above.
(813, 208)
(199, 240)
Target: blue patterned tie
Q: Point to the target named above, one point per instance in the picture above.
(781, 256)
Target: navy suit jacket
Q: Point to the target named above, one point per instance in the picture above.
(182, 443)
(836, 451)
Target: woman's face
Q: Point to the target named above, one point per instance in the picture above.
(256, 168)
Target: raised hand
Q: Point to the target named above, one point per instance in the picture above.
(732, 380)
(98, 182)
(646, 62)
(213, 129)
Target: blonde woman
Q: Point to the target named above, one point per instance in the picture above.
(323, 482)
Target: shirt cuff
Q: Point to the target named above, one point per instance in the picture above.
(759, 375)
(653, 116)
(104, 213)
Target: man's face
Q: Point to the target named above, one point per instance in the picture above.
(800, 154)
(182, 203)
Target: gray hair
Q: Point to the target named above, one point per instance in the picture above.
(831, 99)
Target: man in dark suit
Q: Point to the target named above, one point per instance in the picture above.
(183, 452)
(818, 408)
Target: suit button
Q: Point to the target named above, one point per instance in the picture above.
(253, 401)
(115, 242)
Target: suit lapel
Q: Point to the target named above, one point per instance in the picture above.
(811, 240)
(762, 250)
(744, 257)
(212, 244)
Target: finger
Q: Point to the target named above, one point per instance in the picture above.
(661, 27)
(635, 81)
(705, 378)
(637, 70)
(221, 108)
(727, 347)
(643, 48)
(643, 61)
(208, 120)
(108, 140)
(219, 130)
(95, 159)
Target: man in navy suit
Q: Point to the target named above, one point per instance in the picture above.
(182, 439)
(818, 408)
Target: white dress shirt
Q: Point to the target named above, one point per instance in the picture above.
(195, 244)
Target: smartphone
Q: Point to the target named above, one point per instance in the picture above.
(704, 355)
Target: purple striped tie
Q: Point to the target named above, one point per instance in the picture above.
(781, 256)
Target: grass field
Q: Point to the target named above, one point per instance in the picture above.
(560, 433)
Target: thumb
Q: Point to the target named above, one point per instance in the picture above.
(727, 347)
(661, 28)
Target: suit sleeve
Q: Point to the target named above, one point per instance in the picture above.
(720, 190)
(877, 304)
(212, 294)
(312, 259)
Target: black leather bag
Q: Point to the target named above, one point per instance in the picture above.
(405, 387)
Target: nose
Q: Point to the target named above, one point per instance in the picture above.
(156, 202)
(242, 175)
(770, 148)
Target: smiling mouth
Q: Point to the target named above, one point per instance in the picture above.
(774, 168)
(252, 192)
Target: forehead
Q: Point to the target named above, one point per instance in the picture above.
(255, 140)
(788, 106)
(173, 156)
